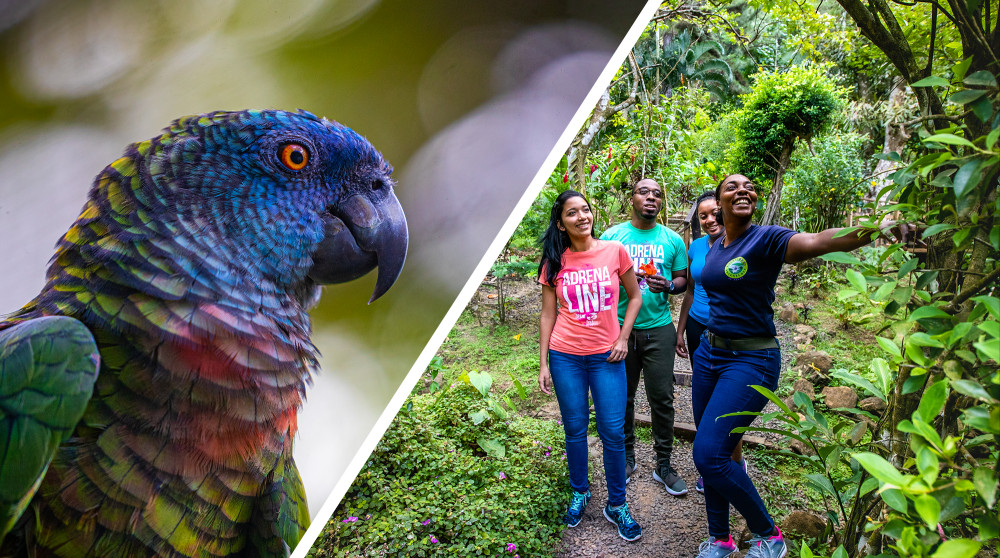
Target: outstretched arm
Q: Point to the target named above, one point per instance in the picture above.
(803, 246)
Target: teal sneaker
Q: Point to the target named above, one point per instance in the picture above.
(628, 529)
(674, 484)
(714, 548)
(575, 511)
(772, 546)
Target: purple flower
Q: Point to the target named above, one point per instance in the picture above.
(351, 519)
(425, 522)
(433, 539)
(502, 476)
(546, 454)
(511, 547)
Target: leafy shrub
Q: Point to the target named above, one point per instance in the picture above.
(822, 188)
(783, 106)
(430, 489)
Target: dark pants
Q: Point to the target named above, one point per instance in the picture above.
(721, 385)
(573, 377)
(651, 351)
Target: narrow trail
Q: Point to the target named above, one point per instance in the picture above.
(671, 526)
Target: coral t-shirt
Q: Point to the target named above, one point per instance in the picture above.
(587, 293)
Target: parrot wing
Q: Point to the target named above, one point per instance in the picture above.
(281, 515)
(48, 367)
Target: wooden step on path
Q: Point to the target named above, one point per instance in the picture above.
(687, 431)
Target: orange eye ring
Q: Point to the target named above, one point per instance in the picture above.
(294, 156)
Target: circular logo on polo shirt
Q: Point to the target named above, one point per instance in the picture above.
(736, 268)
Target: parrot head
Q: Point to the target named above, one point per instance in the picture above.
(289, 198)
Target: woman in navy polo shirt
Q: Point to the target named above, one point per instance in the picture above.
(738, 350)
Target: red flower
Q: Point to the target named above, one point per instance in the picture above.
(566, 177)
(609, 153)
(593, 168)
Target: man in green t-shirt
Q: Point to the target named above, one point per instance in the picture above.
(657, 252)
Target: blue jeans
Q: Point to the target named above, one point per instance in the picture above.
(572, 377)
(721, 385)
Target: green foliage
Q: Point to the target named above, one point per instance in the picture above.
(823, 187)
(434, 488)
(938, 480)
(781, 107)
(654, 140)
(829, 469)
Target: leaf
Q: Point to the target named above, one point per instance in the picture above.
(492, 446)
(908, 266)
(936, 228)
(967, 178)
(844, 294)
(932, 401)
(957, 548)
(983, 109)
(921, 339)
(929, 312)
(857, 280)
(880, 468)
(478, 417)
(927, 464)
(774, 399)
(928, 508)
(949, 139)
(985, 481)
(881, 369)
(982, 78)
(894, 498)
(481, 381)
(840, 257)
(966, 96)
(974, 389)
(858, 432)
(889, 347)
(882, 292)
(925, 279)
(867, 486)
(991, 303)
(989, 349)
(962, 67)
(931, 81)
(859, 381)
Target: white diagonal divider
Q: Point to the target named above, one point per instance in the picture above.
(465, 295)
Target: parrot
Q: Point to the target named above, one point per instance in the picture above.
(149, 393)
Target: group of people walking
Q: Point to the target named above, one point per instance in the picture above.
(606, 318)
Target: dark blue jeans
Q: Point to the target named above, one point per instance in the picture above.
(573, 376)
(721, 385)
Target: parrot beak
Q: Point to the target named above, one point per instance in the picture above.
(360, 234)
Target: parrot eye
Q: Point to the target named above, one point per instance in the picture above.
(294, 156)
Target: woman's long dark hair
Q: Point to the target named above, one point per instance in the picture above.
(554, 241)
(695, 221)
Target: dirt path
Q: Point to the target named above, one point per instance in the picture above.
(671, 526)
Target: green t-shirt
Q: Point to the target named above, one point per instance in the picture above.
(666, 250)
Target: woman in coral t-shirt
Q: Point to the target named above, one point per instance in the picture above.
(583, 347)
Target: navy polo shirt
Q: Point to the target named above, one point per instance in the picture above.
(739, 280)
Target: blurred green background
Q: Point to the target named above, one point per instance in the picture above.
(465, 99)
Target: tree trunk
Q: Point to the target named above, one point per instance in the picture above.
(895, 138)
(772, 213)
